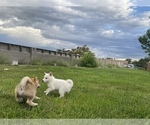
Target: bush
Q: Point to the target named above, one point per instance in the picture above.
(89, 60)
(38, 61)
(62, 63)
(35, 61)
(112, 66)
(3, 60)
(22, 62)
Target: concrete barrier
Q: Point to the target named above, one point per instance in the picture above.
(24, 53)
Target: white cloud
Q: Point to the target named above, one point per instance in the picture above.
(1, 22)
(103, 2)
(107, 33)
(33, 37)
(111, 34)
(35, 3)
(106, 52)
(68, 10)
(69, 27)
(27, 34)
(105, 26)
(56, 28)
(66, 3)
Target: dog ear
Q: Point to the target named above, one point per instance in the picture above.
(30, 81)
(45, 73)
(35, 79)
(50, 74)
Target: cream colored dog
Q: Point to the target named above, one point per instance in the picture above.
(26, 89)
(63, 86)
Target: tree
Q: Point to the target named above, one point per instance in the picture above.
(129, 60)
(76, 51)
(142, 63)
(80, 50)
(145, 41)
(88, 60)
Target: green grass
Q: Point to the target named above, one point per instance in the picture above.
(97, 93)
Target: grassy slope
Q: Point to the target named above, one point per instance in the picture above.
(97, 93)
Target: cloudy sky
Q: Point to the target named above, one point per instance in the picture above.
(110, 28)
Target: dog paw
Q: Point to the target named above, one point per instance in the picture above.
(37, 97)
(34, 104)
(47, 93)
(61, 96)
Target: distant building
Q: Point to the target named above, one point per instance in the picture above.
(119, 63)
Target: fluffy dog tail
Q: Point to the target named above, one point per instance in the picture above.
(25, 80)
(70, 82)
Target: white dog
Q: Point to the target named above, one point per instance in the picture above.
(63, 86)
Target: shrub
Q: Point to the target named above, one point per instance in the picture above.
(22, 62)
(112, 66)
(89, 60)
(62, 63)
(35, 61)
(38, 61)
(3, 60)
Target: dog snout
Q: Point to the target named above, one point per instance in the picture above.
(38, 86)
(43, 80)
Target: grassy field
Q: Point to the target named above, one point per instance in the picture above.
(97, 93)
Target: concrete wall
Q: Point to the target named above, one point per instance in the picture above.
(120, 63)
(24, 54)
(15, 52)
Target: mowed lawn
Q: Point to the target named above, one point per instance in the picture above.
(97, 93)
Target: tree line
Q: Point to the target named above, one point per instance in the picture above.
(88, 57)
